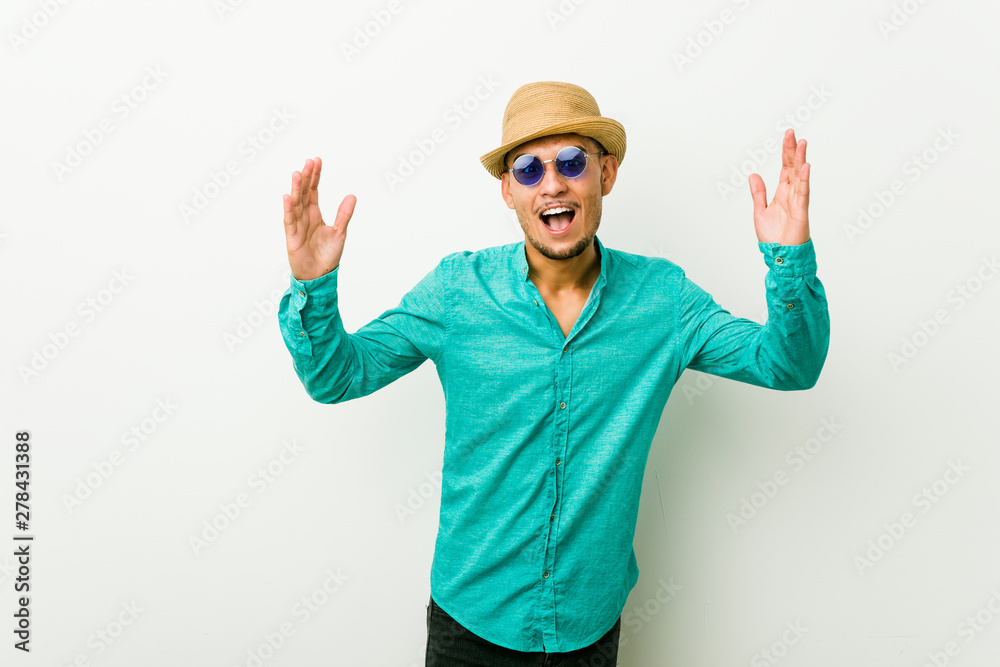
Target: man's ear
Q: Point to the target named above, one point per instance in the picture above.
(505, 189)
(609, 173)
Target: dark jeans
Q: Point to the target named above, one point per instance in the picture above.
(449, 644)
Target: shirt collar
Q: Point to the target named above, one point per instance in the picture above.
(521, 263)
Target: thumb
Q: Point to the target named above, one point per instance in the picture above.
(759, 193)
(344, 213)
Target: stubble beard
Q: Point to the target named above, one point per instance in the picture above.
(593, 208)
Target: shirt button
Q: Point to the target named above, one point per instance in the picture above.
(558, 461)
(302, 293)
(790, 306)
(303, 333)
(552, 518)
(562, 406)
(536, 303)
(778, 260)
(545, 574)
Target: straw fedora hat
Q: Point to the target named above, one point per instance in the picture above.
(551, 107)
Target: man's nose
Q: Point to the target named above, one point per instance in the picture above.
(552, 181)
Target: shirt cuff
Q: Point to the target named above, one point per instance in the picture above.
(789, 260)
(318, 290)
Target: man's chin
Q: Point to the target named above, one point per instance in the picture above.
(562, 251)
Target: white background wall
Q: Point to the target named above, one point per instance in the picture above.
(871, 86)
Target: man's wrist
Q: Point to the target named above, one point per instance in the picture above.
(319, 288)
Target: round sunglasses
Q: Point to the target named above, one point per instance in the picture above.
(570, 162)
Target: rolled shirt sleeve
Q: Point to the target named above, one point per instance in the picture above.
(335, 366)
(786, 353)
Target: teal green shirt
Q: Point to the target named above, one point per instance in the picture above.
(547, 435)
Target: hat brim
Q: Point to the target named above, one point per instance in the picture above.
(609, 132)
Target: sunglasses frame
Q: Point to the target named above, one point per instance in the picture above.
(558, 162)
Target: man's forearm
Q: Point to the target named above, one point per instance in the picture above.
(797, 335)
(788, 352)
(314, 334)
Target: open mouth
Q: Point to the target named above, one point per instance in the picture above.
(558, 220)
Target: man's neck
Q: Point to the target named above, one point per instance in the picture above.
(564, 276)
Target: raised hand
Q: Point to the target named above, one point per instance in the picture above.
(786, 219)
(314, 248)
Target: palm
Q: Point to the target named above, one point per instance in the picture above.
(786, 219)
(314, 248)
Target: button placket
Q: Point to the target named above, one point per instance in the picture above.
(563, 370)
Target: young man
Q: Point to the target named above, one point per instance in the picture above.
(556, 355)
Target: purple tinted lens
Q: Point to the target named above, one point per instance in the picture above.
(571, 162)
(528, 169)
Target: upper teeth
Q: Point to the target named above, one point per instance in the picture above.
(552, 211)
